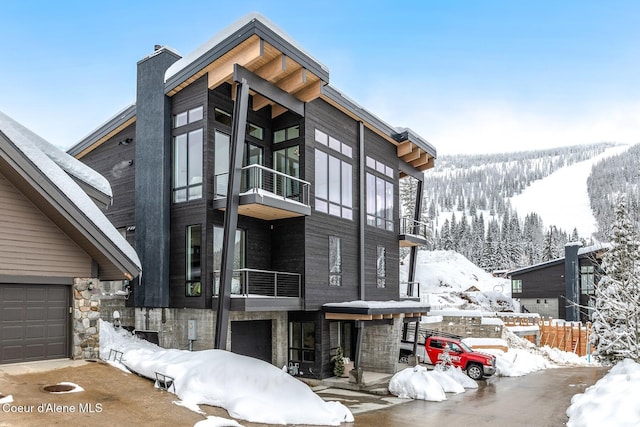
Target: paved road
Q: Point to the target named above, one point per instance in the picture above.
(538, 399)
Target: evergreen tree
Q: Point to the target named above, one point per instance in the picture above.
(616, 318)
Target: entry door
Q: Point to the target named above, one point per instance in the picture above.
(34, 322)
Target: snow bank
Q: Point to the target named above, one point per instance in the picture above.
(247, 388)
(419, 383)
(612, 401)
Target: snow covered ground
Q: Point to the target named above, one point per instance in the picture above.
(565, 194)
(249, 389)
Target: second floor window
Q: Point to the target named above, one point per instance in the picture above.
(587, 279)
(516, 286)
(333, 185)
(187, 166)
(335, 261)
(381, 267)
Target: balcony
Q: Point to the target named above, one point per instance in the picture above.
(410, 291)
(413, 233)
(265, 194)
(263, 290)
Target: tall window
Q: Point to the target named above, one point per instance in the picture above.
(239, 258)
(333, 186)
(516, 286)
(187, 166)
(193, 271)
(335, 261)
(381, 267)
(222, 142)
(287, 161)
(380, 195)
(302, 341)
(587, 280)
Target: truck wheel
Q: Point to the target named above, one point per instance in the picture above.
(475, 371)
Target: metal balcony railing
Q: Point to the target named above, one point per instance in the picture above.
(409, 290)
(258, 178)
(411, 226)
(249, 281)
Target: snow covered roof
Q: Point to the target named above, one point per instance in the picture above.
(46, 169)
(370, 310)
(78, 170)
(582, 252)
(232, 36)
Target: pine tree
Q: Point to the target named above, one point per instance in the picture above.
(616, 318)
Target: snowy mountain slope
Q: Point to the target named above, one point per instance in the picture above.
(561, 199)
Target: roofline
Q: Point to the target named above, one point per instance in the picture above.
(556, 261)
(411, 307)
(72, 213)
(266, 32)
(104, 129)
(400, 136)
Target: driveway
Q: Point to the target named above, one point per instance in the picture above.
(112, 397)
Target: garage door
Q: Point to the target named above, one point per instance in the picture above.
(252, 338)
(34, 322)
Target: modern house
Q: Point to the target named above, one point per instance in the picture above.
(562, 288)
(264, 204)
(55, 246)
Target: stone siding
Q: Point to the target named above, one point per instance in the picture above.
(381, 346)
(86, 312)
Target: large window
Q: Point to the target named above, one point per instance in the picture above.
(381, 267)
(380, 195)
(282, 135)
(333, 185)
(193, 264)
(222, 142)
(187, 117)
(335, 261)
(587, 279)
(239, 258)
(302, 341)
(287, 161)
(187, 166)
(516, 286)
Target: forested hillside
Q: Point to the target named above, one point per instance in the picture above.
(466, 202)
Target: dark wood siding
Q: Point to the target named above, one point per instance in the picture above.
(319, 226)
(545, 282)
(385, 152)
(115, 160)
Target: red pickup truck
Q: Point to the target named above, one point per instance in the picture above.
(476, 364)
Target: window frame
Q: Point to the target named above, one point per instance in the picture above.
(380, 195)
(333, 185)
(187, 154)
(516, 286)
(381, 266)
(335, 261)
(304, 352)
(193, 282)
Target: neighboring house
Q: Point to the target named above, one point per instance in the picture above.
(562, 288)
(55, 245)
(312, 204)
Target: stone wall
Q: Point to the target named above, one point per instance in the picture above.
(86, 312)
(381, 345)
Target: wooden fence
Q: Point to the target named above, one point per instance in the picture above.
(566, 336)
(571, 337)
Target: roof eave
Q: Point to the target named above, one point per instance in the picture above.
(122, 117)
(253, 27)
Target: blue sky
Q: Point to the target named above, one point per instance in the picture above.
(468, 76)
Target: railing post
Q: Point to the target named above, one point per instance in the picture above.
(275, 284)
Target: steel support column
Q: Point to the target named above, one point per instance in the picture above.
(413, 257)
(236, 154)
(363, 211)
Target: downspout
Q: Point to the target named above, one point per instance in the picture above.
(238, 130)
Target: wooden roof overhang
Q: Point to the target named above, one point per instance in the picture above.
(357, 311)
(411, 149)
(262, 50)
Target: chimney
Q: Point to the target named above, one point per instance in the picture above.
(571, 281)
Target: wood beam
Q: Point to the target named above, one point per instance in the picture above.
(217, 73)
(277, 110)
(424, 158)
(293, 81)
(260, 102)
(273, 69)
(414, 155)
(347, 316)
(428, 165)
(404, 148)
(310, 91)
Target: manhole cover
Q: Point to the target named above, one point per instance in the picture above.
(58, 388)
